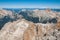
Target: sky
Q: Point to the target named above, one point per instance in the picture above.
(29, 3)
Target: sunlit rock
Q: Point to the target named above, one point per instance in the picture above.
(31, 25)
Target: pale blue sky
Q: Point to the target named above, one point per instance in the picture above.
(29, 3)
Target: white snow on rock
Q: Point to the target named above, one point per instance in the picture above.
(25, 30)
(14, 29)
(22, 29)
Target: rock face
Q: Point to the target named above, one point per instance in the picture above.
(16, 30)
(25, 30)
(7, 16)
(40, 16)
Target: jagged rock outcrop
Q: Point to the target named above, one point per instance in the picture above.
(16, 30)
(37, 25)
(8, 16)
(25, 30)
(42, 16)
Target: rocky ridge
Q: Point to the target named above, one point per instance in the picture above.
(22, 29)
(25, 30)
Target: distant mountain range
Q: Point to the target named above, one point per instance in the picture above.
(36, 15)
(29, 24)
(19, 9)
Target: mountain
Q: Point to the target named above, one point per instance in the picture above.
(29, 24)
(26, 30)
(35, 15)
(42, 16)
(6, 16)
